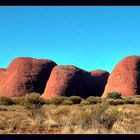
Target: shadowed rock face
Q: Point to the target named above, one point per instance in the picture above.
(125, 78)
(25, 75)
(69, 81)
(100, 79)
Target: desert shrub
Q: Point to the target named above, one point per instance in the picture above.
(84, 102)
(57, 100)
(114, 95)
(93, 100)
(118, 102)
(67, 102)
(6, 101)
(19, 100)
(33, 100)
(115, 101)
(129, 100)
(75, 99)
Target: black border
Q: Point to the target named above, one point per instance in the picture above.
(69, 2)
(70, 137)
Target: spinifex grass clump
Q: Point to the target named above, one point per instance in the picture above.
(33, 100)
(6, 101)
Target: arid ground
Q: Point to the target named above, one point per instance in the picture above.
(111, 116)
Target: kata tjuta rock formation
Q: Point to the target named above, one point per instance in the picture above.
(2, 71)
(25, 75)
(125, 78)
(100, 80)
(69, 81)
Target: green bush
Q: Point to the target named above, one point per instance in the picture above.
(75, 99)
(57, 100)
(6, 101)
(93, 100)
(114, 95)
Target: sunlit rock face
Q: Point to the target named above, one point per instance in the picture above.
(125, 78)
(2, 71)
(69, 80)
(25, 75)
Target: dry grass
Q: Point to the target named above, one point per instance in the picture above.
(68, 119)
(30, 115)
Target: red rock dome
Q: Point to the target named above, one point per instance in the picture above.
(100, 79)
(69, 81)
(125, 78)
(25, 75)
(2, 71)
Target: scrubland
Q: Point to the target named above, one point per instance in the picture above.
(69, 115)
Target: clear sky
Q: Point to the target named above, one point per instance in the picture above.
(89, 37)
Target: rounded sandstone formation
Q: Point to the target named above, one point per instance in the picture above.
(125, 78)
(2, 71)
(69, 81)
(25, 75)
(100, 78)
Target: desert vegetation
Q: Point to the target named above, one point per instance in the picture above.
(69, 115)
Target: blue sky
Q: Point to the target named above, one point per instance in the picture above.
(89, 37)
